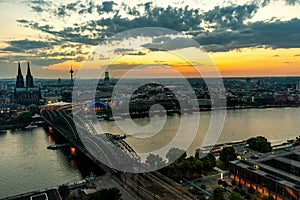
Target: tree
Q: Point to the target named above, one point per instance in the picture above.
(64, 191)
(218, 194)
(174, 154)
(220, 182)
(203, 186)
(155, 161)
(235, 196)
(251, 190)
(256, 196)
(224, 184)
(201, 196)
(227, 154)
(233, 182)
(23, 118)
(239, 189)
(240, 185)
(209, 162)
(260, 144)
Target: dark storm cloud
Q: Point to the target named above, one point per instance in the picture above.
(14, 58)
(24, 45)
(225, 28)
(166, 44)
(55, 53)
(23, 21)
(47, 62)
(41, 2)
(107, 6)
(99, 29)
(79, 58)
(292, 2)
(80, 8)
(122, 50)
(61, 11)
(71, 6)
(275, 34)
(284, 34)
(38, 52)
(68, 34)
(230, 17)
(37, 8)
(264, 3)
(33, 59)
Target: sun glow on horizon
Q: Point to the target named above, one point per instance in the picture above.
(242, 62)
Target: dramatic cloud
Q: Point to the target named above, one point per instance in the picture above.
(25, 45)
(167, 44)
(37, 8)
(42, 52)
(47, 62)
(230, 17)
(288, 2)
(219, 29)
(275, 34)
(292, 2)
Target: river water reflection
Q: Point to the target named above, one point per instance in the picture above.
(26, 164)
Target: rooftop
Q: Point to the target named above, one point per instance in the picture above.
(282, 167)
(52, 194)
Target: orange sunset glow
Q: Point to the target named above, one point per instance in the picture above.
(241, 38)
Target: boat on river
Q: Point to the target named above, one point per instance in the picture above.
(58, 146)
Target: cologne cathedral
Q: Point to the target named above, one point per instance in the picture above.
(26, 94)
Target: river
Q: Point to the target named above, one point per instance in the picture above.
(26, 163)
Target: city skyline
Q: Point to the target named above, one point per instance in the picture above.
(242, 38)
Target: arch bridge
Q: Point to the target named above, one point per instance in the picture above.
(103, 148)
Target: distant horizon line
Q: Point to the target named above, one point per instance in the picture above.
(112, 78)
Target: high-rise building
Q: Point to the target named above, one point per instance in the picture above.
(298, 86)
(248, 84)
(26, 95)
(106, 77)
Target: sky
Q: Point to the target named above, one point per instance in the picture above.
(239, 38)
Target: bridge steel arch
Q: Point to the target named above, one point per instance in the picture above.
(99, 146)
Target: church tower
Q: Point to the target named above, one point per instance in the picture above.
(29, 78)
(20, 81)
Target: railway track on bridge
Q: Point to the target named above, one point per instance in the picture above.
(150, 185)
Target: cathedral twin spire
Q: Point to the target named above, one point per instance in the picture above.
(20, 80)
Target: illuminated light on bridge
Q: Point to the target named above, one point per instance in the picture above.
(112, 154)
(73, 151)
(73, 163)
(101, 148)
(50, 129)
(49, 138)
